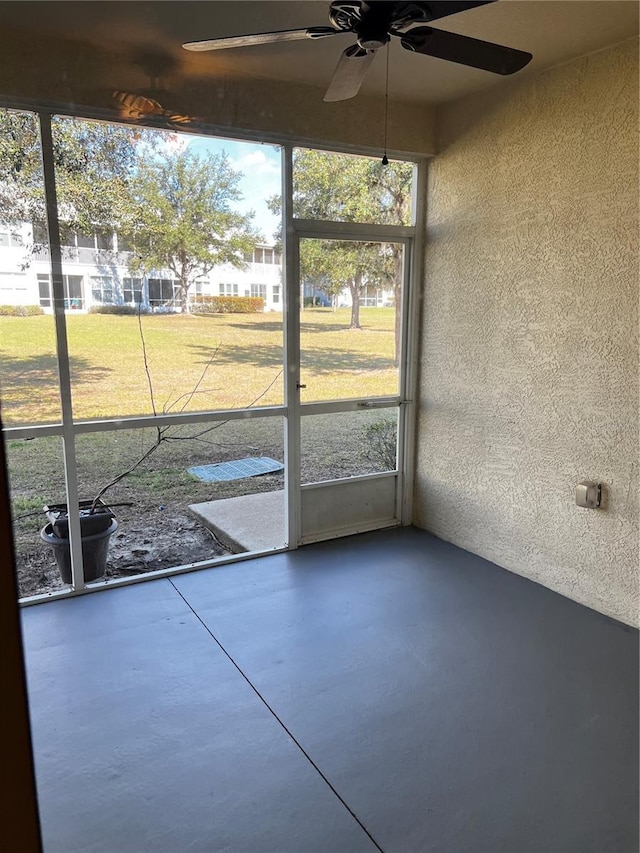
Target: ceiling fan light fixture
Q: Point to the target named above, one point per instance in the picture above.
(373, 40)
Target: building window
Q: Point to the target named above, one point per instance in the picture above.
(162, 291)
(102, 289)
(263, 255)
(40, 234)
(132, 291)
(259, 290)
(73, 292)
(72, 285)
(276, 294)
(372, 297)
(44, 289)
(9, 238)
(200, 290)
(104, 240)
(228, 289)
(85, 241)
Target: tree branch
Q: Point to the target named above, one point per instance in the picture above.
(146, 363)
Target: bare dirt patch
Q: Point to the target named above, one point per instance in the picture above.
(143, 543)
(156, 530)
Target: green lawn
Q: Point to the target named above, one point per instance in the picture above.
(109, 380)
(244, 351)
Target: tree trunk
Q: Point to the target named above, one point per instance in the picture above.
(354, 287)
(184, 300)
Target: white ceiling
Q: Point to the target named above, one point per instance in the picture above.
(555, 31)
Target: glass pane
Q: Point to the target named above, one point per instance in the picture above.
(156, 528)
(351, 188)
(192, 363)
(28, 365)
(348, 444)
(192, 350)
(350, 325)
(36, 480)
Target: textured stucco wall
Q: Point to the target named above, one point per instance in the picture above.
(529, 362)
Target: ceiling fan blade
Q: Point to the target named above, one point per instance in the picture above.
(349, 74)
(465, 50)
(261, 38)
(442, 8)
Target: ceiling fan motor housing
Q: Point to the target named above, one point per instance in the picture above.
(372, 21)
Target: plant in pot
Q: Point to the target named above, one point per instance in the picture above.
(97, 519)
(97, 525)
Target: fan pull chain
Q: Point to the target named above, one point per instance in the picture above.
(385, 159)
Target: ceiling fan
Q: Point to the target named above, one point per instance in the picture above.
(374, 22)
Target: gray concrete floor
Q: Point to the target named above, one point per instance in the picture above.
(382, 692)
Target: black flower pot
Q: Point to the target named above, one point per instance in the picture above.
(95, 543)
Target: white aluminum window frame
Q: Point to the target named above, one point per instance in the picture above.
(290, 411)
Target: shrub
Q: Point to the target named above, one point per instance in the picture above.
(20, 310)
(312, 302)
(115, 309)
(228, 305)
(380, 443)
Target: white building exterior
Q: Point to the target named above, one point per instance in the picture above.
(96, 272)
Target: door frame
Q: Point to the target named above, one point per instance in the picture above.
(295, 230)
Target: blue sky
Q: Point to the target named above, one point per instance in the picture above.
(260, 165)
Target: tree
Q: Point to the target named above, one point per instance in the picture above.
(184, 220)
(94, 163)
(333, 265)
(345, 188)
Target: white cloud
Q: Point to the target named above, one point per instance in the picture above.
(257, 165)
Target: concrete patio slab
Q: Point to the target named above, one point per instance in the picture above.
(246, 523)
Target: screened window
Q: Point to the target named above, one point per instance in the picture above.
(263, 255)
(44, 290)
(124, 244)
(85, 241)
(324, 182)
(40, 233)
(162, 291)
(104, 240)
(73, 297)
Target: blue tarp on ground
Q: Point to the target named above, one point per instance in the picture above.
(237, 470)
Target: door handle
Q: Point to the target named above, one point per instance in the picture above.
(299, 386)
